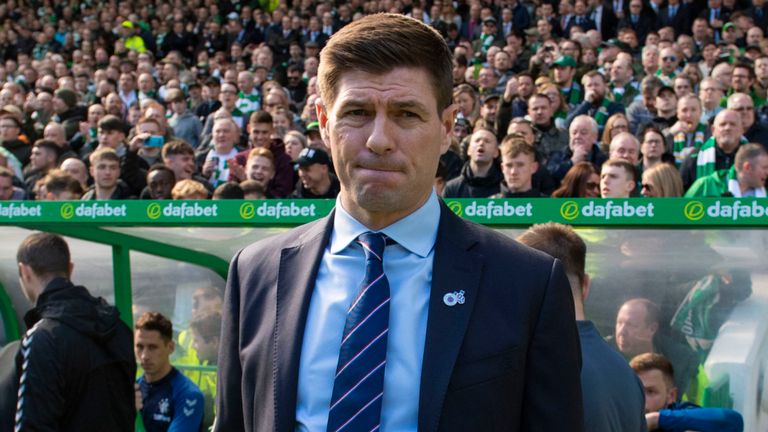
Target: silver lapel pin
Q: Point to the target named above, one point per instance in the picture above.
(451, 299)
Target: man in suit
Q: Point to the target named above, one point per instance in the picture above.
(475, 331)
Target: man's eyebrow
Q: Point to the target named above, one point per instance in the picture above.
(410, 104)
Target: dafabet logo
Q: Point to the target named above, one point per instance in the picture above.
(607, 210)
(694, 210)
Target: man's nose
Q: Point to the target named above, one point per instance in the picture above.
(379, 140)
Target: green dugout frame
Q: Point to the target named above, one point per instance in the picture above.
(115, 223)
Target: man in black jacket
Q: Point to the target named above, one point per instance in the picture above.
(76, 365)
(481, 176)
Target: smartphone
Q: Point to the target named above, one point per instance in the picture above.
(154, 141)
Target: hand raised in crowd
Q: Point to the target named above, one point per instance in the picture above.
(510, 91)
(209, 167)
(236, 171)
(84, 129)
(681, 126)
(138, 141)
(579, 154)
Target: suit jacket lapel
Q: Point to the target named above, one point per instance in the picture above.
(455, 268)
(295, 282)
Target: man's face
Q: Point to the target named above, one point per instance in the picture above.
(182, 165)
(582, 135)
(55, 132)
(313, 176)
(689, 111)
(386, 135)
(42, 159)
(525, 86)
(727, 128)
(710, 93)
(668, 61)
(224, 136)
(740, 80)
(540, 110)
(659, 393)
(152, 351)
(160, 184)
(563, 74)
(486, 78)
(260, 134)
(621, 72)
(754, 36)
(483, 147)
(523, 129)
(228, 96)
(518, 171)
(261, 169)
(245, 82)
(652, 146)
(761, 69)
(9, 130)
(501, 62)
(624, 147)
(682, 87)
(755, 172)
(633, 333)
(105, 173)
(666, 102)
(594, 88)
(488, 110)
(6, 188)
(110, 138)
(615, 182)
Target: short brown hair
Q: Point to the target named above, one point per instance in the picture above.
(561, 242)
(58, 181)
(379, 43)
(104, 154)
(513, 146)
(748, 153)
(177, 147)
(155, 321)
(653, 361)
(621, 163)
(260, 117)
(46, 254)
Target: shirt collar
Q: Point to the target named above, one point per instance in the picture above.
(416, 232)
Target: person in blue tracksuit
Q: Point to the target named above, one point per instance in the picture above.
(663, 413)
(168, 401)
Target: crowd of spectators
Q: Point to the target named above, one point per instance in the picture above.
(201, 99)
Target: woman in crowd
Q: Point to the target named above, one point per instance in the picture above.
(467, 99)
(662, 181)
(616, 124)
(581, 181)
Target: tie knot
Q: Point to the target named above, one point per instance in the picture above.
(373, 244)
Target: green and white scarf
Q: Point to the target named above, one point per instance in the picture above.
(705, 159)
(682, 151)
(601, 116)
(666, 78)
(487, 42)
(574, 95)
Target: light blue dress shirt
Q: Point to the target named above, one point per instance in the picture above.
(408, 266)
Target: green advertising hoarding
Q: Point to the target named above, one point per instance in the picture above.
(509, 212)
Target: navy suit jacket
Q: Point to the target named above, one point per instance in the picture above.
(506, 360)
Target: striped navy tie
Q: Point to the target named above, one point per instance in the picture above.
(358, 388)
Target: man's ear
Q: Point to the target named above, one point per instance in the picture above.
(322, 119)
(585, 287)
(447, 117)
(70, 268)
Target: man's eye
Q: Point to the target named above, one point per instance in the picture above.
(357, 113)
